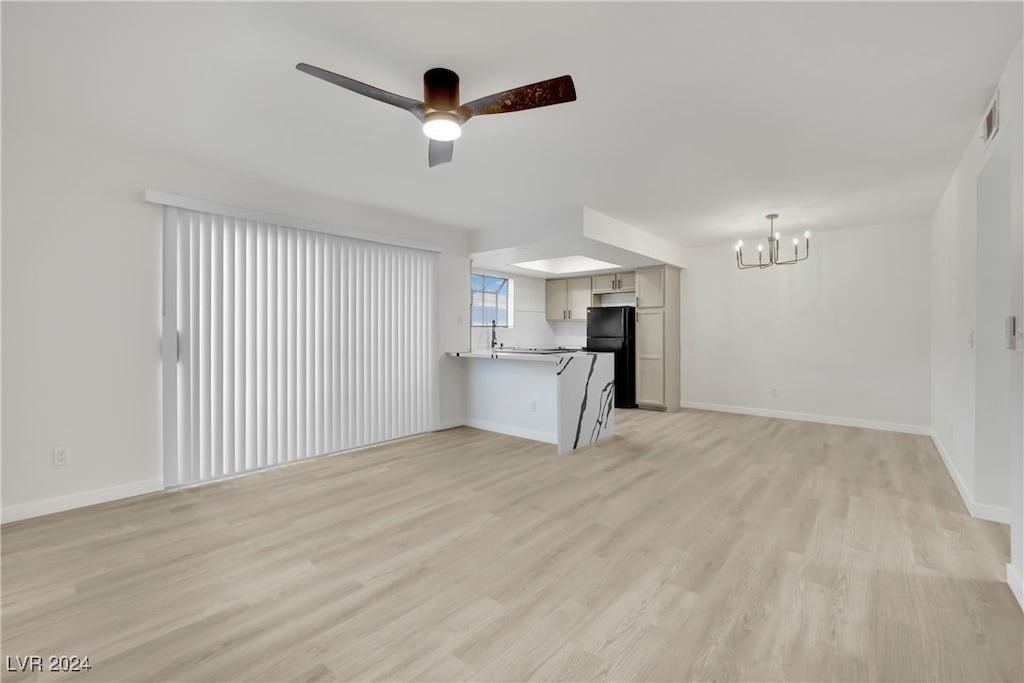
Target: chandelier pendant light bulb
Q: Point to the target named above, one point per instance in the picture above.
(774, 241)
(442, 126)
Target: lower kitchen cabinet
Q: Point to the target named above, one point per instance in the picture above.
(650, 359)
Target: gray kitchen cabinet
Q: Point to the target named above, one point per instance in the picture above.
(568, 298)
(612, 283)
(657, 338)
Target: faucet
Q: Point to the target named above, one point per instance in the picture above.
(494, 334)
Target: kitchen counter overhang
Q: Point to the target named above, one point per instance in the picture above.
(565, 398)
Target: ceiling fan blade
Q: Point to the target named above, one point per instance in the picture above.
(440, 152)
(415, 107)
(542, 94)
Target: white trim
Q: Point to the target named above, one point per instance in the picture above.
(991, 513)
(450, 423)
(810, 417)
(954, 473)
(204, 206)
(1016, 583)
(13, 513)
(532, 434)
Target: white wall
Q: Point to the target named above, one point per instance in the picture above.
(955, 278)
(598, 226)
(513, 397)
(991, 359)
(81, 306)
(841, 337)
(1013, 78)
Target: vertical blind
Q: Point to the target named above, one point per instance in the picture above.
(291, 343)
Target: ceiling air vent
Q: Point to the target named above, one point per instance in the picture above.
(992, 119)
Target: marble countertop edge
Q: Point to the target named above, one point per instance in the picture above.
(533, 357)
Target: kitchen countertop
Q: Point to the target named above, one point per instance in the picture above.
(498, 354)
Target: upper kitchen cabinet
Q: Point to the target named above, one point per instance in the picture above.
(627, 282)
(650, 287)
(568, 299)
(604, 284)
(610, 283)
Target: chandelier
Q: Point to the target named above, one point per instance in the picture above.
(774, 241)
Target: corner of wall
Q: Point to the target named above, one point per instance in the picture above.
(991, 513)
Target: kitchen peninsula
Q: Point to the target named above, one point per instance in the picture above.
(562, 397)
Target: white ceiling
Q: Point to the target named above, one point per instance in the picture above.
(693, 120)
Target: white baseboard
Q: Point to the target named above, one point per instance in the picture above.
(13, 513)
(451, 423)
(532, 434)
(1016, 582)
(810, 417)
(954, 473)
(991, 513)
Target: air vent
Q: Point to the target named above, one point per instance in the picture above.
(992, 119)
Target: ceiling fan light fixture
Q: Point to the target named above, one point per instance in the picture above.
(441, 126)
(441, 113)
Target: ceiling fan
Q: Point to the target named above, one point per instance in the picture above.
(440, 112)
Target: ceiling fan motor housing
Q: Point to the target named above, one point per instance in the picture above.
(441, 89)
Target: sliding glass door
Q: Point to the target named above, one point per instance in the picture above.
(281, 344)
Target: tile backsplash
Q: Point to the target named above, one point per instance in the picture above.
(529, 328)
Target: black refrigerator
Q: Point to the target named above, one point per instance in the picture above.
(613, 329)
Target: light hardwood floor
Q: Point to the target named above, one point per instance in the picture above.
(692, 546)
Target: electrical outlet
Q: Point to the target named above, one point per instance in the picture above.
(61, 456)
(775, 392)
(533, 406)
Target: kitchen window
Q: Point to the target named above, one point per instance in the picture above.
(491, 300)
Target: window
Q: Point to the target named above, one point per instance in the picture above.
(491, 300)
